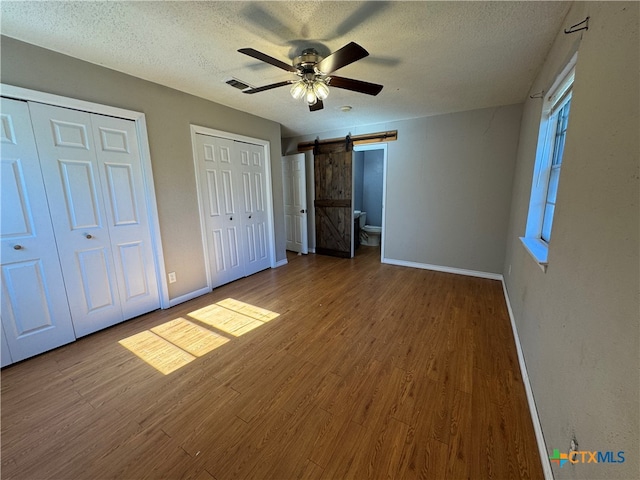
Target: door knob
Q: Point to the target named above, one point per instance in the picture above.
(302, 211)
(89, 236)
(249, 216)
(17, 247)
(230, 218)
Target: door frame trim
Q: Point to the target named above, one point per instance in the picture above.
(25, 94)
(266, 146)
(383, 147)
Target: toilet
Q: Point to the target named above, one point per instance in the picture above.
(370, 235)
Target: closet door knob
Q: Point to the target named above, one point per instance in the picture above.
(89, 236)
(17, 247)
(230, 218)
(249, 216)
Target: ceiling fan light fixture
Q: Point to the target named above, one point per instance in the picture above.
(320, 89)
(298, 89)
(314, 72)
(311, 97)
(312, 89)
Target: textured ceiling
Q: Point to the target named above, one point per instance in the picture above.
(431, 57)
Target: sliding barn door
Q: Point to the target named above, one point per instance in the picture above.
(333, 163)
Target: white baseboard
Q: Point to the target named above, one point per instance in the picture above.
(183, 298)
(535, 419)
(280, 263)
(439, 268)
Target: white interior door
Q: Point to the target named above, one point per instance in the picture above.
(311, 195)
(120, 170)
(300, 201)
(235, 206)
(251, 167)
(295, 202)
(289, 212)
(72, 179)
(35, 313)
(218, 185)
(4, 349)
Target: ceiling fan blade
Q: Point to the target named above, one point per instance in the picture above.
(355, 85)
(316, 106)
(266, 58)
(342, 57)
(360, 16)
(268, 87)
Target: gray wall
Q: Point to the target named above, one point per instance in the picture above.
(449, 183)
(578, 322)
(169, 114)
(373, 175)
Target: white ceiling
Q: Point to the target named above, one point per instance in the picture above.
(431, 57)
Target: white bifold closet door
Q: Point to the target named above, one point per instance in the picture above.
(253, 205)
(93, 177)
(232, 178)
(76, 244)
(35, 313)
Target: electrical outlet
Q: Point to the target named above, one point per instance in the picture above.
(172, 277)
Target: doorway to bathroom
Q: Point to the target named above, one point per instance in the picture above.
(369, 193)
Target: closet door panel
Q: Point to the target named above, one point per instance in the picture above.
(254, 203)
(80, 194)
(219, 189)
(121, 175)
(35, 313)
(96, 272)
(74, 190)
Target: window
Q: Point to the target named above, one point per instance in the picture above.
(554, 171)
(546, 174)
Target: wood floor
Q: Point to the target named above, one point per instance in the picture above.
(323, 368)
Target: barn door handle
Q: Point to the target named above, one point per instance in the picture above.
(17, 247)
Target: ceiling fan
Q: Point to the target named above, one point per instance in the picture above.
(314, 74)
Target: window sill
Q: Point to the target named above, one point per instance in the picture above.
(538, 250)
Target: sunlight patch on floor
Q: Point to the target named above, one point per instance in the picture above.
(190, 337)
(247, 309)
(161, 354)
(233, 317)
(176, 343)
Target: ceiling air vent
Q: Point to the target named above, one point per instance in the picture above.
(234, 82)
